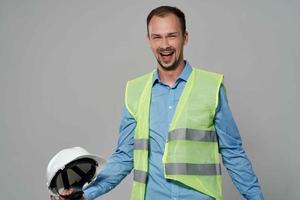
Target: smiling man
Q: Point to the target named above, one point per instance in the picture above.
(167, 37)
(175, 123)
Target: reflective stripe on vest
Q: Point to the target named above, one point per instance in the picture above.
(191, 134)
(193, 169)
(140, 176)
(141, 144)
(191, 153)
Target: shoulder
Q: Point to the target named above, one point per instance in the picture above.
(208, 77)
(207, 72)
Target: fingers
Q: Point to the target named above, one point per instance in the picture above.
(52, 197)
(67, 192)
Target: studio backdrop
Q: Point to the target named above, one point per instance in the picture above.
(64, 65)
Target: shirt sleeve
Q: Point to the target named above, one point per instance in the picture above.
(119, 164)
(233, 155)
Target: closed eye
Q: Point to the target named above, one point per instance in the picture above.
(156, 36)
(172, 35)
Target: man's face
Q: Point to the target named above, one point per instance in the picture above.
(167, 40)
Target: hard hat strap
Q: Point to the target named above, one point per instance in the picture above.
(85, 177)
(78, 171)
(65, 179)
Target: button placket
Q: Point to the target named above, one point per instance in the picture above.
(170, 104)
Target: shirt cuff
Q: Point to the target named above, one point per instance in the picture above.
(91, 193)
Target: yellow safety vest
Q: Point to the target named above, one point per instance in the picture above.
(191, 154)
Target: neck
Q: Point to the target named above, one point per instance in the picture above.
(169, 77)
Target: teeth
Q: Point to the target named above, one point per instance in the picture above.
(166, 54)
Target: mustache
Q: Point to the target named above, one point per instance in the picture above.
(165, 50)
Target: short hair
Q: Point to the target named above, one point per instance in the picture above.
(163, 11)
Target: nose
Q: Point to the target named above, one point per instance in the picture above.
(165, 43)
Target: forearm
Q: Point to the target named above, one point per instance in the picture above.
(112, 174)
(241, 172)
(233, 155)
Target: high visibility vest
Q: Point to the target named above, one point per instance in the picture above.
(191, 154)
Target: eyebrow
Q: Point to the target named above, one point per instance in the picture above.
(173, 33)
(155, 35)
(158, 35)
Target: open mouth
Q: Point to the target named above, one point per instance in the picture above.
(165, 54)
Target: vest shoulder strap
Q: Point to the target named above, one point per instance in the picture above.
(134, 91)
(212, 76)
(198, 101)
(210, 83)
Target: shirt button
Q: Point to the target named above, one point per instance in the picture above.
(170, 107)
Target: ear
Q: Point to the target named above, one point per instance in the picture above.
(186, 37)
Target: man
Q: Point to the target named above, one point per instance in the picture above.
(175, 123)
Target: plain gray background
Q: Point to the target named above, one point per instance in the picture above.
(64, 65)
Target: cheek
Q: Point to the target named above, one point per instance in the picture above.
(154, 48)
(175, 45)
(179, 46)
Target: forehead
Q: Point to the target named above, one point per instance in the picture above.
(166, 24)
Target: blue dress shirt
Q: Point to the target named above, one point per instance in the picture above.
(163, 104)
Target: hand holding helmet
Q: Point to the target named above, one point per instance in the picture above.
(70, 171)
(67, 193)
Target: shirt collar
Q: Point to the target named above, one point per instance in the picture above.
(183, 76)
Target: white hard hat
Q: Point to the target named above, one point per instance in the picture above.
(71, 166)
